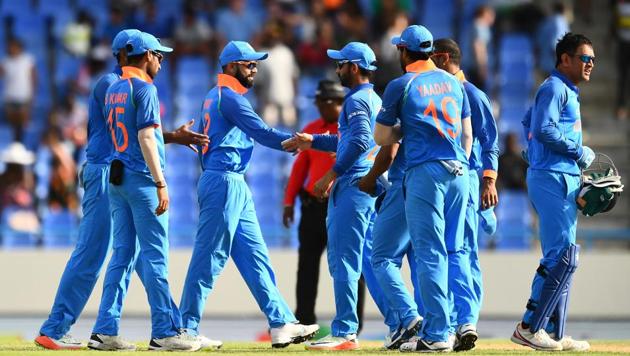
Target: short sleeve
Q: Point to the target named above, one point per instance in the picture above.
(147, 107)
(388, 115)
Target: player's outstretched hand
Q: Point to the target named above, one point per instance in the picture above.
(287, 215)
(321, 188)
(367, 185)
(184, 136)
(162, 195)
(300, 142)
(489, 195)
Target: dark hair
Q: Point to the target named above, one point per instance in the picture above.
(135, 59)
(569, 43)
(418, 56)
(447, 45)
(558, 7)
(365, 73)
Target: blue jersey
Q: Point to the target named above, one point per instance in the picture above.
(430, 104)
(131, 104)
(233, 126)
(354, 145)
(485, 149)
(554, 128)
(100, 147)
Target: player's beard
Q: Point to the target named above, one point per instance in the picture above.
(245, 81)
(344, 79)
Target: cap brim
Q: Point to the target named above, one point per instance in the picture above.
(256, 56)
(396, 41)
(334, 54)
(164, 49)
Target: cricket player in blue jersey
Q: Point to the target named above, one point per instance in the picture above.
(556, 156)
(350, 211)
(391, 242)
(228, 226)
(434, 117)
(467, 288)
(138, 194)
(83, 268)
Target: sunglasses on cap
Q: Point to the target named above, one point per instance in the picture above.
(248, 65)
(585, 58)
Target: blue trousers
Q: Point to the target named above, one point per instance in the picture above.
(464, 268)
(88, 257)
(391, 243)
(136, 227)
(349, 223)
(228, 226)
(553, 196)
(435, 205)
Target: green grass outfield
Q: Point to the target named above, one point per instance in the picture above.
(18, 346)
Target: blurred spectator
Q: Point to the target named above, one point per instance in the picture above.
(117, 22)
(312, 53)
(481, 37)
(622, 35)
(353, 25)
(149, 21)
(62, 188)
(512, 167)
(70, 118)
(277, 78)
(551, 30)
(387, 54)
(20, 77)
(77, 35)
(235, 23)
(17, 184)
(312, 21)
(193, 34)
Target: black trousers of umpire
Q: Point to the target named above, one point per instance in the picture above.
(313, 237)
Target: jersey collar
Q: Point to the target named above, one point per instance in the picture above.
(133, 72)
(421, 66)
(359, 87)
(117, 70)
(565, 80)
(224, 80)
(460, 76)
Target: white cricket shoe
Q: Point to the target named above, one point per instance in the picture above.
(109, 343)
(570, 344)
(539, 340)
(209, 344)
(466, 335)
(334, 343)
(180, 342)
(292, 333)
(420, 345)
(67, 342)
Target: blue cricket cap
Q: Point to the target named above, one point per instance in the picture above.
(236, 51)
(355, 52)
(415, 38)
(488, 221)
(121, 39)
(145, 42)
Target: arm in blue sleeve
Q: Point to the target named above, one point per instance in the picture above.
(147, 106)
(545, 119)
(485, 129)
(238, 110)
(389, 113)
(359, 136)
(326, 143)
